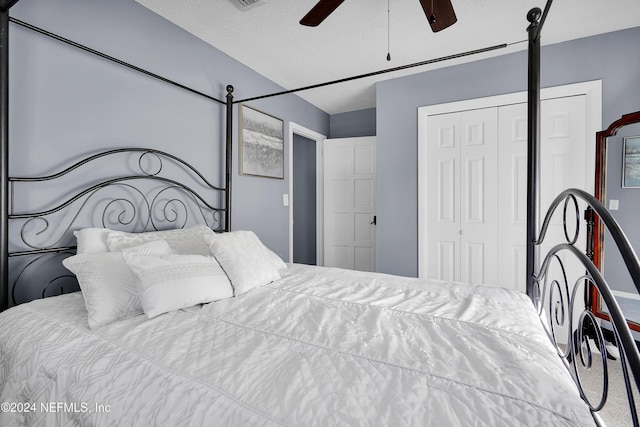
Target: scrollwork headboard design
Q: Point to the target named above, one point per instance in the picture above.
(137, 189)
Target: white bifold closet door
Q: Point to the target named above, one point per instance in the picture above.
(462, 220)
(477, 173)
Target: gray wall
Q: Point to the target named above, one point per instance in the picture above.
(397, 127)
(304, 200)
(353, 124)
(66, 103)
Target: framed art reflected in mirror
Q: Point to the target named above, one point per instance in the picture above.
(631, 162)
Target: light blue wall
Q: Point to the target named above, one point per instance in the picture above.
(304, 196)
(613, 57)
(353, 124)
(65, 103)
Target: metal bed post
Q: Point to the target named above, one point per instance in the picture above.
(5, 5)
(536, 18)
(533, 126)
(229, 156)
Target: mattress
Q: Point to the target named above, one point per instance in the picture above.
(319, 347)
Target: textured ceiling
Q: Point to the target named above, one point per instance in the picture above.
(353, 40)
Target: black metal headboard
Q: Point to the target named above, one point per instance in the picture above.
(129, 189)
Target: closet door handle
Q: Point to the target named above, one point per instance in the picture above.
(375, 221)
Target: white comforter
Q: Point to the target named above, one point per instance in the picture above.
(321, 347)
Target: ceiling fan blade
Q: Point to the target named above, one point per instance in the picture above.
(319, 12)
(440, 13)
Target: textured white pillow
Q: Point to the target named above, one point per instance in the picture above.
(181, 240)
(172, 282)
(109, 287)
(245, 259)
(92, 240)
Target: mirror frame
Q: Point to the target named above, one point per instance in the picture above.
(600, 194)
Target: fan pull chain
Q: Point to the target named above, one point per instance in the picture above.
(388, 32)
(432, 17)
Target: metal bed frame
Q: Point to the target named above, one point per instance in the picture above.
(555, 297)
(146, 197)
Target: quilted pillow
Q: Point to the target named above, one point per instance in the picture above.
(109, 287)
(245, 259)
(181, 240)
(172, 282)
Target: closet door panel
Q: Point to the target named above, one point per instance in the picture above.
(443, 212)
(512, 187)
(478, 201)
(462, 217)
(562, 162)
(563, 157)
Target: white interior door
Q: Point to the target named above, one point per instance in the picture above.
(462, 219)
(350, 203)
(563, 165)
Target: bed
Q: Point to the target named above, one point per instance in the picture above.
(317, 347)
(182, 320)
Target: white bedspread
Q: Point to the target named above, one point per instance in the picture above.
(321, 347)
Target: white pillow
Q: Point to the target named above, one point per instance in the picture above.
(109, 287)
(92, 240)
(181, 240)
(172, 282)
(245, 259)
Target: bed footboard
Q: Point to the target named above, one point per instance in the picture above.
(565, 279)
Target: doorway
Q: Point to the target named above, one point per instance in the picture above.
(305, 195)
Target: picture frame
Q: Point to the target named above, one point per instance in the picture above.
(631, 162)
(261, 145)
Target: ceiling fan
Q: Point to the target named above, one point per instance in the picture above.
(440, 13)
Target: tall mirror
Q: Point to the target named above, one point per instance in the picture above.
(621, 170)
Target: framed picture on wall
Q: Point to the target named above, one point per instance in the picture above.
(261, 143)
(631, 162)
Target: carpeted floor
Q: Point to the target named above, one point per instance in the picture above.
(616, 410)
